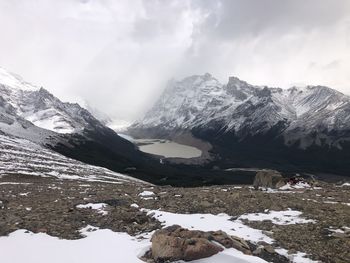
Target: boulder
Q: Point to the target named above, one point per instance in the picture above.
(268, 179)
(175, 243)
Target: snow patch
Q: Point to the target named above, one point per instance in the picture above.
(13, 183)
(134, 205)
(298, 185)
(288, 217)
(146, 193)
(298, 257)
(99, 207)
(209, 222)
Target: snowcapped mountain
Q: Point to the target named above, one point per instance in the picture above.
(203, 102)
(32, 113)
(240, 115)
(41, 108)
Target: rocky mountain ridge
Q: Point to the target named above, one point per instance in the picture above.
(41, 108)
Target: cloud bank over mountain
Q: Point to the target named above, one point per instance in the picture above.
(117, 55)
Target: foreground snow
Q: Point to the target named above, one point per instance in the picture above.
(104, 245)
(101, 245)
(224, 222)
(230, 256)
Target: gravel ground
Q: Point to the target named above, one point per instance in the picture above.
(50, 205)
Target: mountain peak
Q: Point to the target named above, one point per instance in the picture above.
(234, 82)
(234, 79)
(15, 82)
(207, 76)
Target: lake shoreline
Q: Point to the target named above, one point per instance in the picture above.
(165, 148)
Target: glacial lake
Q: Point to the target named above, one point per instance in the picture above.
(166, 148)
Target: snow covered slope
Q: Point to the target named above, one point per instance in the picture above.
(22, 157)
(201, 102)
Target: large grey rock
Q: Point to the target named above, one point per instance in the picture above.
(268, 179)
(175, 243)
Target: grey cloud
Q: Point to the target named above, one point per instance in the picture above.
(332, 65)
(233, 18)
(117, 55)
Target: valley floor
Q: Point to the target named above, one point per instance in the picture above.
(55, 220)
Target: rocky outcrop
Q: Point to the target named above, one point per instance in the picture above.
(268, 179)
(176, 243)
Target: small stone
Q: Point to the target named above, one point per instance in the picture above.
(269, 249)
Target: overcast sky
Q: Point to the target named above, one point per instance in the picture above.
(117, 54)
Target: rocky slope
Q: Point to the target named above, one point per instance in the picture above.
(239, 116)
(21, 157)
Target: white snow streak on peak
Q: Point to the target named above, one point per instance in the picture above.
(14, 81)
